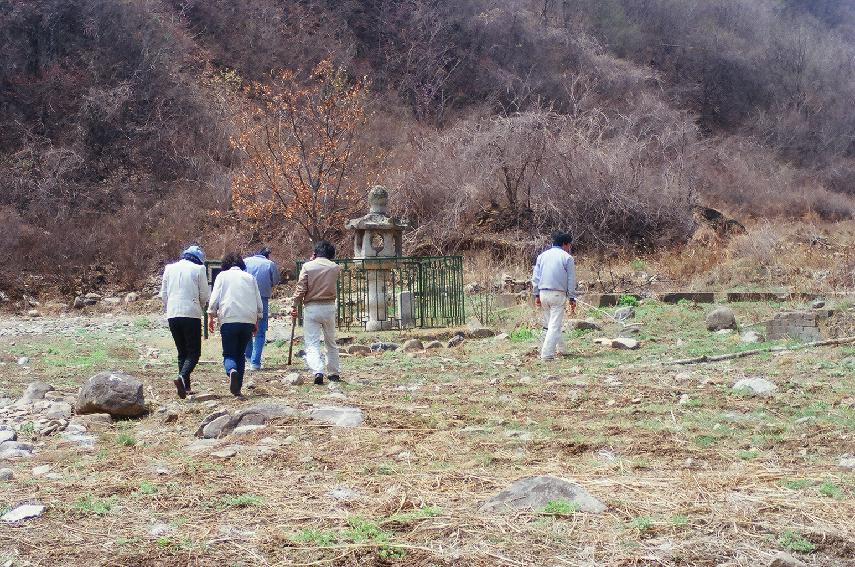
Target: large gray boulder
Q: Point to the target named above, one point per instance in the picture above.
(536, 492)
(115, 393)
(721, 318)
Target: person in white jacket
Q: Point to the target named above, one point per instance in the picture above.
(236, 303)
(184, 291)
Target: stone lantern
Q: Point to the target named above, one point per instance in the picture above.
(377, 241)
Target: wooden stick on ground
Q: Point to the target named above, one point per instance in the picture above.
(733, 355)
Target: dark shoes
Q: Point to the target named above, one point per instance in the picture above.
(187, 387)
(179, 385)
(235, 382)
(335, 378)
(319, 378)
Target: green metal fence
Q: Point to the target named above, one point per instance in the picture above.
(419, 291)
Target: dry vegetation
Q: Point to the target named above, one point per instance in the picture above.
(491, 121)
(692, 472)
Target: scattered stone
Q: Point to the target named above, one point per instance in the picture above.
(751, 337)
(79, 302)
(226, 453)
(83, 441)
(583, 325)
(360, 350)
(115, 393)
(113, 301)
(847, 463)
(34, 313)
(169, 416)
(455, 341)
(499, 338)
(270, 410)
(23, 361)
(247, 429)
(132, 297)
(537, 491)
(478, 332)
(7, 434)
(214, 428)
(201, 445)
(525, 380)
(629, 331)
(6, 474)
(59, 411)
(204, 397)
(724, 331)
(721, 318)
(93, 421)
(624, 313)
(413, 345)
(433, 345)
(344, 494)
(41, 470)
(294, 379)
(158, 530)
(15, 450)
(603, 342)
(22, 513)
(384, 346)
(36, 391)
(624, 344)
(783, 559)
(755, 386)
(338, 416)
(817, 304)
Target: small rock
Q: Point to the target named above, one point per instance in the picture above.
(344, 494)
(59, 411)
(384, 346)
(113, 301)
(338, 416)
(83, 441)
(170, 416)
(413, 345)
(537, 491)
(525, 380)
(751, 337)
(79, 302)
(93, 421)
(783, 559)
(247, 429)
(501, 337)
(6, 474)
(132, 297)
(33, 313)
(215, 428)
(226, 453)
(721, 318)
(294, 379)
(433, 345)
(360, 350)
(724, 331)
(15, 450)
(755, 386)
(847, 463)
(158, 530)
(455, 341)
(115, 393)
(624, 313)
(22, 513)
(204, 397)
(629, 331)
(817, 304)
(41, 470)
(624, 344)
(480, 333)
(7, 434)
(583, 325)
(23, 361)
(36, 391)
(201, 445)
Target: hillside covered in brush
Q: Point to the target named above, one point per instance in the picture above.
(121, 122)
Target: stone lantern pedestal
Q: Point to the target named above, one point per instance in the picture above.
(377, 240)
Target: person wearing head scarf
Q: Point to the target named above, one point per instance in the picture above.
(184, 291)
(266, 274)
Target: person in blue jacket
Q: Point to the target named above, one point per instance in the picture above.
(266, 274)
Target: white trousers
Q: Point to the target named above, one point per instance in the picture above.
(553, 303)
(319, 320)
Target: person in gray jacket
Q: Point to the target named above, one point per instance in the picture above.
(184, 291)
(266, 274)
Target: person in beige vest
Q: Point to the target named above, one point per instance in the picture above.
(316, 292)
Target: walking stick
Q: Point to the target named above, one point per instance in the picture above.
(291, 343)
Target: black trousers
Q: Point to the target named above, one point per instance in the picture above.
(187, 334)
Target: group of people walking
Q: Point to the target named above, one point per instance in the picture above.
(240, 304)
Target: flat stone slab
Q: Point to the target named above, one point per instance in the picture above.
(695, 296)
(755, 386)
(22, 513)
(226, 453)
(338, 416)
(537, 491)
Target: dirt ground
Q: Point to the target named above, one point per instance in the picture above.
(692, 472)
